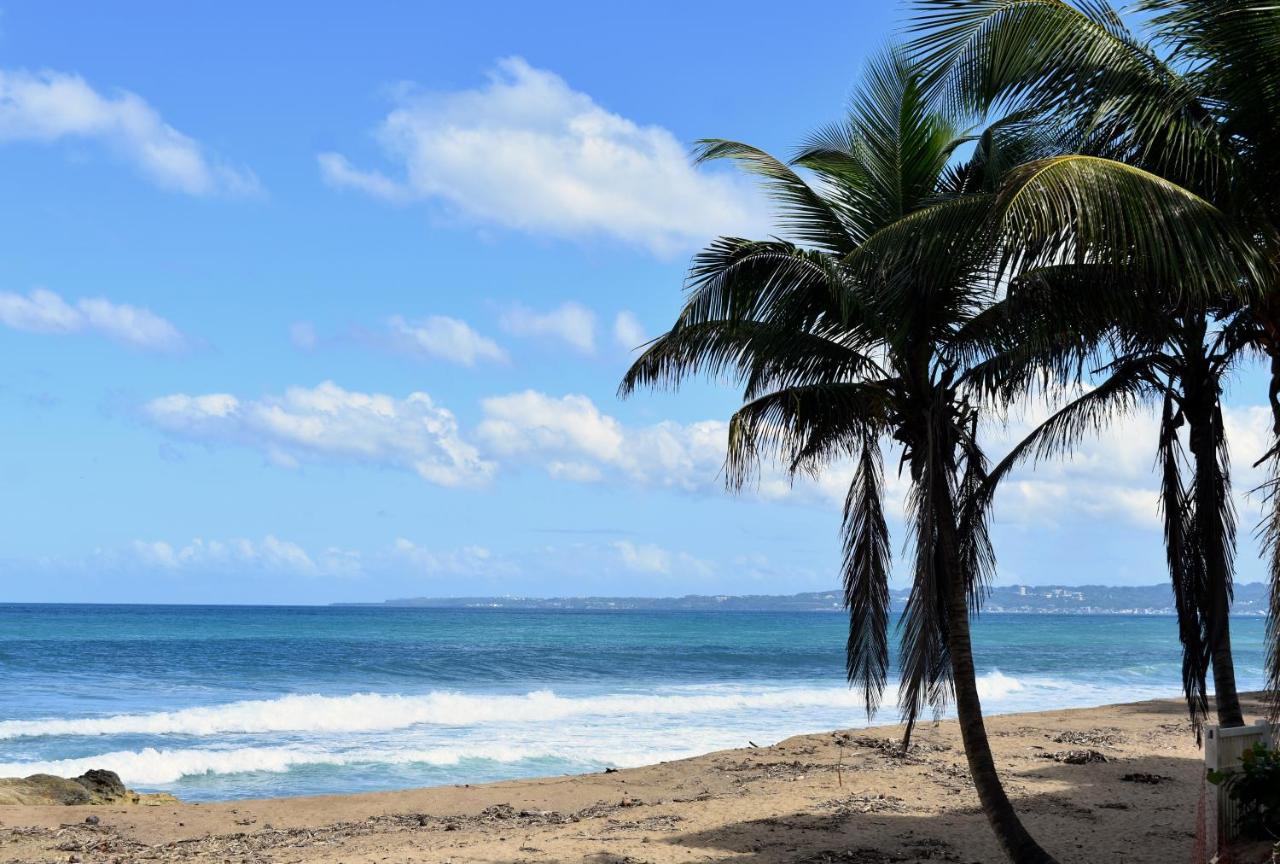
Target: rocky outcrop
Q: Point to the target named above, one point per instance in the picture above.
(92, 787)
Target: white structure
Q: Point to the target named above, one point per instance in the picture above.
(1222, 751)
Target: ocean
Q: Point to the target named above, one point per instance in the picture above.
(214, 703)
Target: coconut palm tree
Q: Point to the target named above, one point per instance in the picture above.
(858, 331)
(842, 341)
(1142, 348)
(1201, 113)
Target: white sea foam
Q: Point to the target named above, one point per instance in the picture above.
(377, 712)
(153, 767)
(565, 733)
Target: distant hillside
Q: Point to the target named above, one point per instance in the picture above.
(1251, 599)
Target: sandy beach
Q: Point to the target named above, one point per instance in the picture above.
(1117, 783)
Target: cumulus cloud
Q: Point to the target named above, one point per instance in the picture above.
(1107, 477)
(527, 151)
(628, 332)
(573, 439)
(570, 323)
(52, 106)
(330, 424)
(1112, 474)
(443, 338)
(45, 311)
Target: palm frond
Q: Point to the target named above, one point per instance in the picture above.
(1083, 209)
(1185, 563)
(866, 579)
(803, 427)
(804, 214)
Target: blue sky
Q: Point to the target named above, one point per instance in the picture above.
(301, 303)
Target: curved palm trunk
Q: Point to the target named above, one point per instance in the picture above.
(1212, 512)
(1018, 844)
(1210, 499)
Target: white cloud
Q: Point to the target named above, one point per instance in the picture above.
(338, 172)
(651, 558)
(572, 439)
(44, 311)
(528, 152)
(443, 338)
(50, 106)
(628, 331)
(270, 553)
(466, 560)
(571, 323)
(643, 557)
(330, 424)
(1112, 475)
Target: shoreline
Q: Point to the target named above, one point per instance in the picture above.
(1115, 783)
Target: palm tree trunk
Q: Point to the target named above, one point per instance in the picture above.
(1018, 844)
(1212, 506)
(1226, 696)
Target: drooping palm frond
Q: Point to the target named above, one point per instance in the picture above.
(926, 679)
(1185, 564)
(735, 279)
(804, 427)
(1079, 63)
(759, 356)
(866, 578)
(1269, 533)
(1084, 209)
(973, 523)
(1128, 382)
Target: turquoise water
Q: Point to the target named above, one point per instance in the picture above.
(227, 702)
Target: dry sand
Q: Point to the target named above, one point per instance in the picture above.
(1114, 784)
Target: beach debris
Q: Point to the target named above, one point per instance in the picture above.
(850, 805)
(892, 747)
(752, 744)
(611, 770)
(1090, 738)
(851, 856)
(1149, 779)
(1076, 757)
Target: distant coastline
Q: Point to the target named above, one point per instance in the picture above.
(1250, 599)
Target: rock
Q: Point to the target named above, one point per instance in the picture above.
(42, 789)
(105, 787)
(92, 787)
(91, 820)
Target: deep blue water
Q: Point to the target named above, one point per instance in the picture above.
(225, 702)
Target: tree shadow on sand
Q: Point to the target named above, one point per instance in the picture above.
(1133, 810)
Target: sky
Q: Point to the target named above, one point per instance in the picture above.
(330, 302)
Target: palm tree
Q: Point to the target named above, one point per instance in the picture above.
(1202, 114)
(1176, 355)
(845, 339)
(863, 329)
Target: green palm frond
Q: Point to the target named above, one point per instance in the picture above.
(809, 217)
(1186, 572)
(866, 578)
(804, 427)
(1083, 209)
